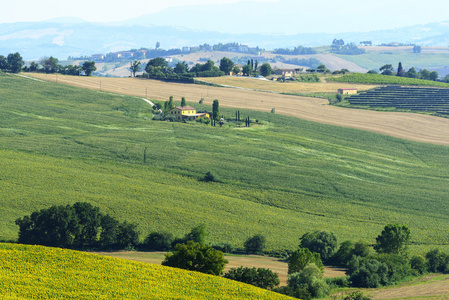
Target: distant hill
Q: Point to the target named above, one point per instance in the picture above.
(65, 37)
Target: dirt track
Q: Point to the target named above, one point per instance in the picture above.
(410, 126)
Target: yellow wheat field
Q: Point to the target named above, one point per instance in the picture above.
(36, 272)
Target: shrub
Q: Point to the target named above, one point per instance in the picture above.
(260, 277)
(224, 247)
(158, 241)
(340, 282)
(310, 279)
(418, 264)
(255, 244)
(437, 261)
(301, 258)
(197, 234)
(371, 274)
(196, 257)
(322, 242)
(209, 177)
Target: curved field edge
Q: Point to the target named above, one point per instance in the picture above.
(31, 272)
(61, 144)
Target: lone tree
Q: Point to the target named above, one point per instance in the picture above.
(301, 258)
(226, 65)
(89, 67)
(183, 102)
(15, 62)
(255, 244)
(400, 71)
(196, 257)
(386, 69)
(322, 242)
(215, 110)
(265, 70)
(135, 67)
(394, 238)
(50, 64)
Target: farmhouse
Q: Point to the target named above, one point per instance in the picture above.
(347, 91)
(285, 72)
(186, 113)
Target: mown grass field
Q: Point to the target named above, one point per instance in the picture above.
(34, 272)
(60, 145)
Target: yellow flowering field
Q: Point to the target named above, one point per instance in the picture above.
(36, 272)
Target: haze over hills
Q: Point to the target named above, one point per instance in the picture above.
(63, 37)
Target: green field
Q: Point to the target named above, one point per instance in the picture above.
(375, 60)
(60, 145)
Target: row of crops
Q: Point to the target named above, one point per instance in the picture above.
(384, 79)
(434, 100)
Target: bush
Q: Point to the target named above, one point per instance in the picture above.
(196, 257)
(338, 282)
(301, 258)
(311, 279)
(418, 264)
(437, 261)
(260, 277)
(224, 247)
(371, 274)
(322, 242)
(158, 241)
(197, 234)
(209, 177)
(255, 244)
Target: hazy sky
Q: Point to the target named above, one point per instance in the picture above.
(322, 15)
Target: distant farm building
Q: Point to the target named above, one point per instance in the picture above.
(285, 72)
(187, 113)
(347, 91)
(97, 57)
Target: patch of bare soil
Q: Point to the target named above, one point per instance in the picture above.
(434, 289)
(417, 127)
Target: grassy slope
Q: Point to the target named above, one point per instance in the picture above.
(34, 272)
(62, 144)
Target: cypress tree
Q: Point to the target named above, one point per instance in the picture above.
(400, 70)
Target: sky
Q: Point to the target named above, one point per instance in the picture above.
(289, 16)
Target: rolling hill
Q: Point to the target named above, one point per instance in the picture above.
(35, 272)
(284, 177)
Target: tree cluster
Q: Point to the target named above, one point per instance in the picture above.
(50, 65)
(300, 50)
(159, 68)
(78, 226)
(411, 73)
(12, 63)
(339, 47)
